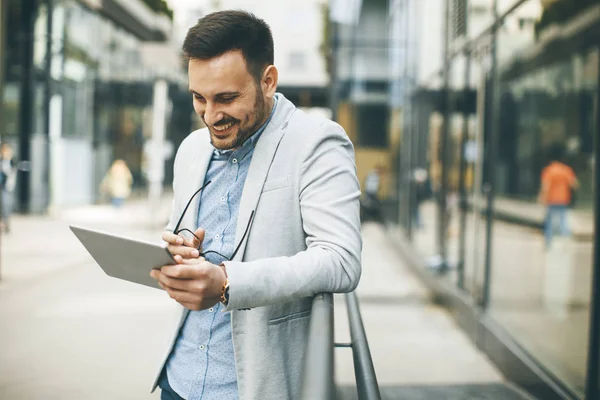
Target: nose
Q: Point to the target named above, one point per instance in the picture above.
(212, 114)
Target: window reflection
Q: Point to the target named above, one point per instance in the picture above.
(524, 142)
(543, 228)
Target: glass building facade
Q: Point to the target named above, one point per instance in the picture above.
(519, 93)
(88, 97)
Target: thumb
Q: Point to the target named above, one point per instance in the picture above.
(200, 232)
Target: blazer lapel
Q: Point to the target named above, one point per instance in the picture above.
(264, 152)
(196, 176)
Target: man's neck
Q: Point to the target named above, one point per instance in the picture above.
(270, 103)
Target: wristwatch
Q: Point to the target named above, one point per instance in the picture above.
(225, 289)
(225, 293)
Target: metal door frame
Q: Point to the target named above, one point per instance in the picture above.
(592, 389)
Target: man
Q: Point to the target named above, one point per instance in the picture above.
(271, 196)
(558, 183)
(8, 175)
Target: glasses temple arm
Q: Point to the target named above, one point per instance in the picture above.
(187, 206)
(244, 236)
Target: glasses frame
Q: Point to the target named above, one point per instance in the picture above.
(177, 231)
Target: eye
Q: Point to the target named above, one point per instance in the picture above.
(227, 99)
(198, 97)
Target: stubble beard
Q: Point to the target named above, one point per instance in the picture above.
(259, 115)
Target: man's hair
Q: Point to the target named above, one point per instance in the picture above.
(224, 31)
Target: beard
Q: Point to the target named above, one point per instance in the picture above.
(256, 119)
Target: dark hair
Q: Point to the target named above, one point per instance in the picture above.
(224, 31)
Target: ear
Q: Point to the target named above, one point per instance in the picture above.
(269, 81)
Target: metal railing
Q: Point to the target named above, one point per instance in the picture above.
(318, 381)
(317, 374)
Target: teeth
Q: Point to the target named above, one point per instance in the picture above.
(223, 127)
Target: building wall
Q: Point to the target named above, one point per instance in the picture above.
(95, 95)
(298, 32)
(431, 24)
(363, 48)
(2, 35)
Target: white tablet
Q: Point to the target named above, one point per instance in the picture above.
(123, 258)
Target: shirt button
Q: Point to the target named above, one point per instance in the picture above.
(211, 309)
(217, 236)
(234, 161)
(201, 347)
(222, 198)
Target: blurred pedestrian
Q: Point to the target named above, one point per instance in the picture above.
(422, 193)
(8, 178)
(117, 183)
(272, 199)
(558, 182)
(370, 202)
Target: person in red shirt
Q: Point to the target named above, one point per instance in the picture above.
(558, 182)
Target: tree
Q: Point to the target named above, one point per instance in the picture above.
(160, 6)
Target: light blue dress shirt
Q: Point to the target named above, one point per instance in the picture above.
(202, 363)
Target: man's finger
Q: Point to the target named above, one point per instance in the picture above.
(183, 251)
(154, 274)
(181, 296)
(198, 237)
(193, 242)
(191, 261)
(172, 238)
(171, 284)
(184, 271)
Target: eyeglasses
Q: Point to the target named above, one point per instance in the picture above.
(178, 231)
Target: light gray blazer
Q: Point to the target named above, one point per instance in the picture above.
(304, 240)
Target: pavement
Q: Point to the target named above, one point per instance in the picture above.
(527, 284)
(71, 332)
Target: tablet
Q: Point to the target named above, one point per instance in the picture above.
(123, 258)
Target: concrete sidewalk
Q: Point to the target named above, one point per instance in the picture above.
(418, 350)
(73, 333)
(38, 245)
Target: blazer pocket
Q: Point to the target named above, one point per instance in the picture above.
(289, 317)
(274, 184)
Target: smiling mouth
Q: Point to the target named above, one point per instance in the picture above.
(223, 128)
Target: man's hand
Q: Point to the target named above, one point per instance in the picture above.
(194, 283)
(186, 248)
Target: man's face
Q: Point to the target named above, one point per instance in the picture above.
(227, 98)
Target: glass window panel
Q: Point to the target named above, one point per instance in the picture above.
(427, 176)
(542, 241)
(458, 109)
(469, 246)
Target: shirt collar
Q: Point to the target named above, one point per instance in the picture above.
(251, 141)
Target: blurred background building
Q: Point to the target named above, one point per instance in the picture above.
(462, 102)
(480, 96)
(78, 89)
(300, 42)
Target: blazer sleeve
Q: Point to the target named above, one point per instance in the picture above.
(329, 206)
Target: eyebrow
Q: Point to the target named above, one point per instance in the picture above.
(222, 94)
